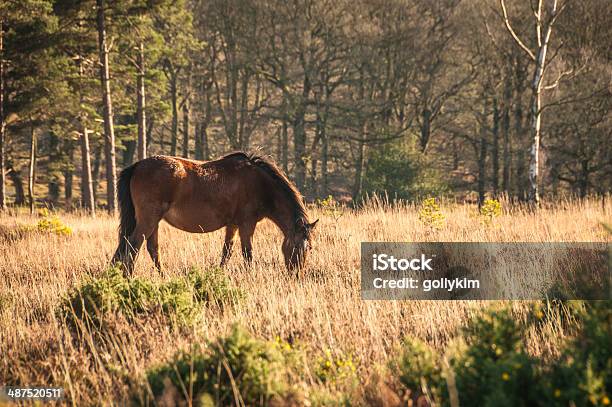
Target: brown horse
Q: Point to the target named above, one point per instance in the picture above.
(234, 192)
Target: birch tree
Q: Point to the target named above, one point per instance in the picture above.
(545, 16)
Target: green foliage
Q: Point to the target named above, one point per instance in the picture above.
(335, 368)
(401, 172)
(431, 215)
(490, 209)
(230, 371)
(418, 368)
(491, 365)
(583, 373)
(495, 368)
(180, 298)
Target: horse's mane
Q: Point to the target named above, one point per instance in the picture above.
(288, 188)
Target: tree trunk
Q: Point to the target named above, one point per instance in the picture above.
(425, 129)
(87, 192)
(128, 152)
(482, 157)
(324, 159)
(69, 177)
(142, 118)
(520, 155)
(185, 130)
(495, 150)
(2, 124)
(95, 175)
(583, 184)
(505, 129)
(285, 140)
(17, 184)
(53, 173)
(359, 168)
(534, 151)
(31, 170)
(299, 136)
(174, 97)
(109, 132)
(299, 144)
(198, 141)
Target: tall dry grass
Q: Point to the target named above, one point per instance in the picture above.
(321, 308)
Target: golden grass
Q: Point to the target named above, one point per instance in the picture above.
(321, 308)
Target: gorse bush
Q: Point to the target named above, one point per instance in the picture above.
(330, 207)
(490, 364)
(490, 209)
(494, 368)
(51, 224)
(431, 215)
(179, 298)
(335, 368)
(234, 370)
(583, 374)
(239, 369)
(419, 369)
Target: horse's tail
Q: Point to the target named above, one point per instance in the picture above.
(127, 213)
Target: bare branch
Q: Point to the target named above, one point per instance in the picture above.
(514, 35)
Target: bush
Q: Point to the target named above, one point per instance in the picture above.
(583, 374)
(180, 298)
(402, 172)
(491, 365)
(338, 369)
(234, 370)
(490, 209)
(52, 224)
(419, 369)
(431, 215)
(495, 368)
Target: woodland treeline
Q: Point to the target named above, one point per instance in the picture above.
(405, 97)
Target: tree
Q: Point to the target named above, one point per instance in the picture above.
(109, 131)
(544, 18)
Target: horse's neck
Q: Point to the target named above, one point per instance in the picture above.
(285, 218)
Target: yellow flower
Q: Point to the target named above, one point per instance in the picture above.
(505, 376)
(605, 400)
(557, 393)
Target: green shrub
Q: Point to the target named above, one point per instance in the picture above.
(490, 209)
(492, 367)
(230, 371)
(495, 368)
(179, 298)
(401, 171)
(583, 374)
(431, 215)
(419, 368)
(339, 369)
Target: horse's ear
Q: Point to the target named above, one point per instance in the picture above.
(313, 224)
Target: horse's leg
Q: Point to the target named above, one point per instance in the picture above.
(143, 228)
(246, 231)
(230, 233)
(153, 248)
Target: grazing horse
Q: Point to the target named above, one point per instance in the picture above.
(234, 192)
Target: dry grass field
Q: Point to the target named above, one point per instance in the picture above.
(321, 308)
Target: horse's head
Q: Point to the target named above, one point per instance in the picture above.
(297, 245)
